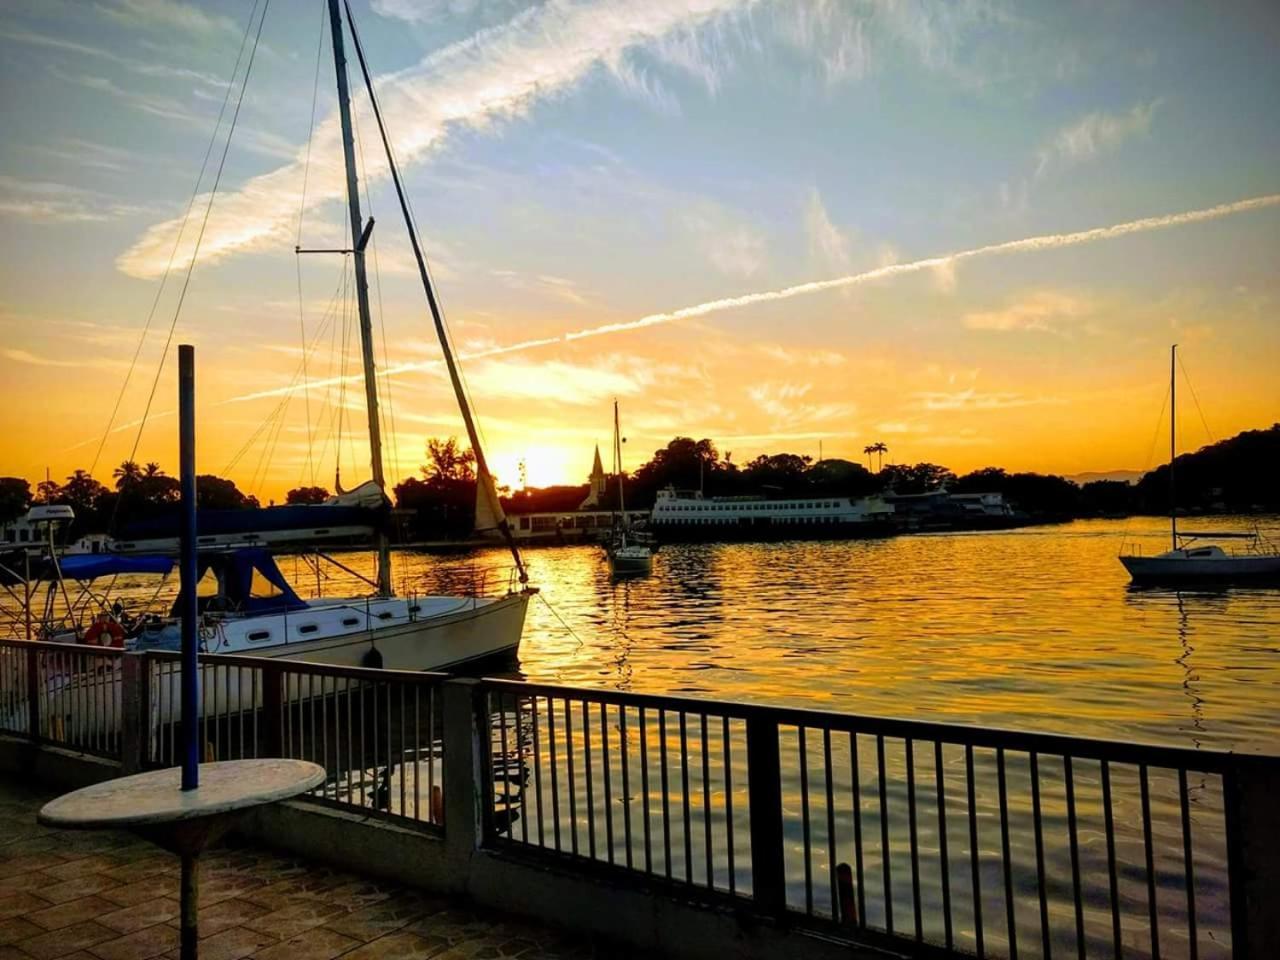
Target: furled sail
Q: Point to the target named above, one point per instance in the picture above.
(489, 514)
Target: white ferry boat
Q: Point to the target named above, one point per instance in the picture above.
(689, 516)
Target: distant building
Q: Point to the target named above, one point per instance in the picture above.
(597, 484)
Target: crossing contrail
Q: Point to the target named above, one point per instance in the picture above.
(1050, 241)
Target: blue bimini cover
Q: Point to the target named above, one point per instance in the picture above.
(249, 582)
(87, 566)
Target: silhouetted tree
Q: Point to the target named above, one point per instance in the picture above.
(915, 478)
(307, 495)
(15, 498)
(219, 493)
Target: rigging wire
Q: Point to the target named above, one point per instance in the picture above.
(164, 277)
(413, 222)
(297, 256)
(195, 253)
(1190, 386)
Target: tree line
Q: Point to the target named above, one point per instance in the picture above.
(1233, 475)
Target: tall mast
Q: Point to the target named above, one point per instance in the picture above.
(1173, 442)
(360, 237)
(617, 463)
(483, 477)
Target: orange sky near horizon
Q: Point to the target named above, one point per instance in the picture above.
(973, 241)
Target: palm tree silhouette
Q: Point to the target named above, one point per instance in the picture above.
(869, 450)
(881, 449)
(126, 474)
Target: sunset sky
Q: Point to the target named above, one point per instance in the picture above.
(642, 200)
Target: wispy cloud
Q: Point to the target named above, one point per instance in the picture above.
(169, 15)
(498, 73)
(1093, 135)
(36, 360)
(147, 68)
(826, 241)
(730, 244)
(975, 400)
(1042, 310)
(788, 403)
(39, 201)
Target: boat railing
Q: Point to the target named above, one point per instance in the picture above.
(934, 839)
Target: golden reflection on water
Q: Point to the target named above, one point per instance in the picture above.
(1033, 629)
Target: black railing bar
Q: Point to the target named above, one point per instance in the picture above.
(624, 754)
(1082, 748)
(857, 826)
(804, 821)
(608, 782)
(728, 803)
(591, 803)
(885, 856)
(644, 789)
(1041, 882)
(666, 793)
(684, 793)
(1068, 776)
(706, 804)
(914, 839)
(1007, 862)
(975, 866)
(537, 770)
(555, 773)
(1152, 905)
(1188, 875)
(573, 786)
(943, 862)
(829, 778)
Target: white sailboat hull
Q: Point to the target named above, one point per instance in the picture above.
(87, 702)
(1178, 568)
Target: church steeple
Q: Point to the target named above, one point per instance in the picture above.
(597, 483)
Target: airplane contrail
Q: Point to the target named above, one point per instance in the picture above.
(1051, 241)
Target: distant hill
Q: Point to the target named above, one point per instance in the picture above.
(1124, 476)
(1238, 474)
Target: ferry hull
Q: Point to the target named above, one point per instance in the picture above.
(764, 531)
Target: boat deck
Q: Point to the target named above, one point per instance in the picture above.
(111, 896)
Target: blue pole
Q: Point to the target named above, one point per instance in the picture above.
(188, 562)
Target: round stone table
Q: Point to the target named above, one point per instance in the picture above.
(185, 822)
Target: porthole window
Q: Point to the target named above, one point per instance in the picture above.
(257, 636)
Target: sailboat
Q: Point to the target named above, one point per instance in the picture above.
(1193, 558)
(626, 554)
(255, 612)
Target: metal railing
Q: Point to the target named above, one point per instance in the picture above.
(377, 733)
(935, 838)
(980, 841)
(62, 694)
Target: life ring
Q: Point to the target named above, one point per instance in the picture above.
(104, 624)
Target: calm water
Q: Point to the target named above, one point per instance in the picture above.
(1034, 629)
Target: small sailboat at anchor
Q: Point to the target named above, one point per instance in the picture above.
(627, 555)
(1193, 557)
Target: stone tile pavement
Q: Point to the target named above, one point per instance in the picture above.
(109, 896)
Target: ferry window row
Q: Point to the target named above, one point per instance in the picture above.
(813, 505)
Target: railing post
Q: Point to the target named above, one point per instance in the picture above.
(764, 792)
(1253, 856)
(33, 692)
(272, 709)
(135, 715)
(464, 789)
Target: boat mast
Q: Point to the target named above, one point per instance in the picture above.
(617, 464)
(483, 477)
(360, 238)
(1173, 442)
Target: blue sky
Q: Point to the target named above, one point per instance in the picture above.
(581, 165)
